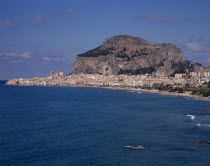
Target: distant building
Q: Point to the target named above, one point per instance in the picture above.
(207, 74)
(199, 74)
(180, 75)
(57, 74)
(194, 74)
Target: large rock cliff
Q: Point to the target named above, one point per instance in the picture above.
(132, 55)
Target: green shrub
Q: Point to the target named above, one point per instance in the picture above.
(97, 52)
(144, 70)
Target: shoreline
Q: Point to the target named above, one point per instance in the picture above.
(159, 92)
(195, 97)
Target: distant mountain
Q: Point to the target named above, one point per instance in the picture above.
(132, 55)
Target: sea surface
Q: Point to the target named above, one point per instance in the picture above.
(70, 126)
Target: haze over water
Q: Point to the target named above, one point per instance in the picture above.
(62, 126)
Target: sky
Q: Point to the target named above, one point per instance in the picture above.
(37, 36)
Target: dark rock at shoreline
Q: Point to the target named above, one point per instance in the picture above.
(207, 149)
(204, 142)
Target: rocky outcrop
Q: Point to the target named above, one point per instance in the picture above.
(132, 55)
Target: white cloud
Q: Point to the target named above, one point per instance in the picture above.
(16, 61)
(163, 18)
(194, 46)
(70, 11)
(21, 55)
(49, 59)
(46, 58)
(37, 19)
(159, 18)
(208, 58)
(25, 55)
(5, 23)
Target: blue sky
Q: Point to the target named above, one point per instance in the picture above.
(39, 35)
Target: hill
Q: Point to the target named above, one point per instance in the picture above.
(132, 55)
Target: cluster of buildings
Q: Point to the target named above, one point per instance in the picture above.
(57, 74)
(194, 78)
(200, 74)
(59, 79)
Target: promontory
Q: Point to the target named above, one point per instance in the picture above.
(131, 62)
(132, 55)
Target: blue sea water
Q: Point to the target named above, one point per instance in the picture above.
(69, 126)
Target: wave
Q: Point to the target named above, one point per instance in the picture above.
(132, 91)
(192, 117)
(205, 125)
(134, 146)
(198, 125)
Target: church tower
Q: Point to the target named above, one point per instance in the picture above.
(51, 73)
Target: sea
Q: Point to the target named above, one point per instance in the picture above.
(74, 126)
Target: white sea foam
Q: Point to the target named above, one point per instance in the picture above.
(139, 92)
(192, 117)
(206, 125)
(132, 91)
(134, 146)
(198, 124)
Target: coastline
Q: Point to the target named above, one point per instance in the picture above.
(195, 97)
(121, 82)
(131, 89)
(161, 93)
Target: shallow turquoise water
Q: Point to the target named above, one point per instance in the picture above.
(66, 126)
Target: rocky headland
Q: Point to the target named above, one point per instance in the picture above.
(128, 62)
(132, 55)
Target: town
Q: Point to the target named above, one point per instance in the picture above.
(193, 79)
(146, 81)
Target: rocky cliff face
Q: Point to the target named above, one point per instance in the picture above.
(132, 55)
